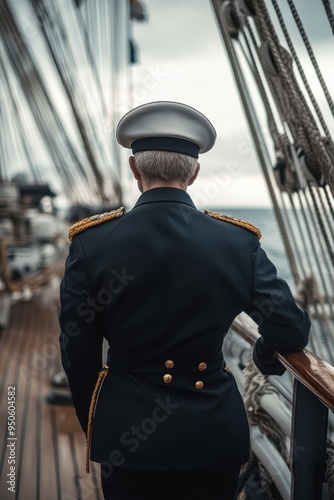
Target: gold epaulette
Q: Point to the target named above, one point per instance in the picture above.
(237, 222)
(94, 220)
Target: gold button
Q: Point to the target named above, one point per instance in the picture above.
(202, 366)
(169, 363)
(167, 378)
(199, 384)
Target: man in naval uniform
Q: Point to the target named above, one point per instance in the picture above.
(162, 283)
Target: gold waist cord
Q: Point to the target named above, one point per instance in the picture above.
(102, 373)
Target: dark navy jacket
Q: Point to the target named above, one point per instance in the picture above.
(163, 283)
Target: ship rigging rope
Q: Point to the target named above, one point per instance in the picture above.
(83, 25)
(329, 13)
(82, 164)
(21, 129)
(329, 200)
(291, 188)
(276, 137)
(292, 101)
(274, 132)
(307, 289)
(323, 231)
(281, 141)
(292, 237)
(54, 34)
(311, 54)
(299, 66)
(325, 212)
(254, 68)
(308, 294)
(312, 243)
(66, 55)
(61, 151)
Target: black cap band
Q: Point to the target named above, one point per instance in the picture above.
(173, 144)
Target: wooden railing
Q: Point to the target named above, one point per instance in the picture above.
(313, 396)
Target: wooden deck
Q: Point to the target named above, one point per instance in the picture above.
(49, 444)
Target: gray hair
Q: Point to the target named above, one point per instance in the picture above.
(165, 166)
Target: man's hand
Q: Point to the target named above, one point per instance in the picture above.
(265, 359)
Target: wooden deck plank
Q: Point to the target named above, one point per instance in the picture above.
(19, 339)
(38, 385)
(5, 360)
(47, 468)
(89, 483)
(50, 449)
(26, 394)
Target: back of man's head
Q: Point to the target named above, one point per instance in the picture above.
(165, 166)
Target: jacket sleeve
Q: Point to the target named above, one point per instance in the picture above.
(283, 326)
(81, 334)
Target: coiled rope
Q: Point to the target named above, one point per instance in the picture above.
(330, 468)
(256, 386)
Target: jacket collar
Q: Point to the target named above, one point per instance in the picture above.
(162, 194)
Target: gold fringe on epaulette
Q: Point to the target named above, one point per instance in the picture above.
(237, 222)
(102, 373)
(94, 221)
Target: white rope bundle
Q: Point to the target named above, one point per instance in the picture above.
(256, 385)
(330, 468)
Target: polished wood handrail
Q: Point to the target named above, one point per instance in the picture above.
(313, 372)
(245, 333)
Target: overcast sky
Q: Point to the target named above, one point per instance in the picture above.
(181, 57)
